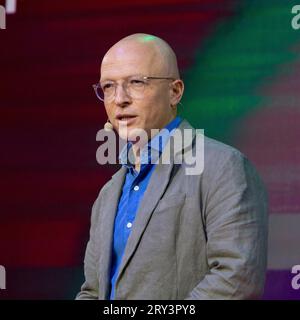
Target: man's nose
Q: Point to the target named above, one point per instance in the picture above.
(122, 97)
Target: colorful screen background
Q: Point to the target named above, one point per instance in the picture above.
(241, 65)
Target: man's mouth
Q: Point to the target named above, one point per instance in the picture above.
(125, 117)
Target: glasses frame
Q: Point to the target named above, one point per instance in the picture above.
(98, 85)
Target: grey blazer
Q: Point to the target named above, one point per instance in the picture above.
(194, 237)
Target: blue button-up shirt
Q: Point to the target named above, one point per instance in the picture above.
(133, 190)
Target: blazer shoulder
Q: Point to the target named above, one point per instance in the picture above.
(214, 148)
(227, 154)
(99, 199)
(220, 158)
(116, 178)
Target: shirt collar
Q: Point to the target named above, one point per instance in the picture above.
(153, 149)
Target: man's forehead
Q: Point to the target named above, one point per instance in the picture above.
(129, 50)
(114, 71)
(129, 61)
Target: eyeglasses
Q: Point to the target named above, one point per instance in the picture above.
(134, 87)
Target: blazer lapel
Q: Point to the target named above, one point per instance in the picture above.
(157, 185)
(106, 229)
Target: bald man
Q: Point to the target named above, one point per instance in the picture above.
(156, 231)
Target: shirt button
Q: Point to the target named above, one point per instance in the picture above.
(136, 188)
(129, 225)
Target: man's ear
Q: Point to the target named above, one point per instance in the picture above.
(176, 91)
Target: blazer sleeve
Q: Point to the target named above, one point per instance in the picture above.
(89, 289)
(235, 214)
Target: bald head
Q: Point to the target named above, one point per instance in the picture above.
(155, 53)
(137, 104)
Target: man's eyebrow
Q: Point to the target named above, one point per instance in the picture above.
(128, 77)
(106, 80)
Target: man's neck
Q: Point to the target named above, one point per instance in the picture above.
(137, 157)
(137, 146)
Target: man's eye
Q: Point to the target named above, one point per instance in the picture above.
(137, 82)
(107, 86)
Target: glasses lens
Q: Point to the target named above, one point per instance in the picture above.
(136, 86)
(98, 92)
